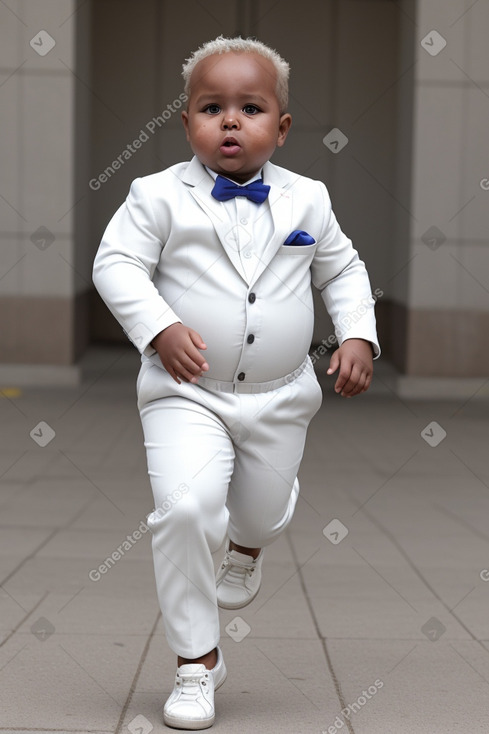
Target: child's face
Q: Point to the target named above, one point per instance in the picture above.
(233, 120)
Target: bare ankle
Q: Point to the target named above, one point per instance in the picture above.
(209, 660)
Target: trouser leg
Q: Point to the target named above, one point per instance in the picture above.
(190, 462)
(269, 447)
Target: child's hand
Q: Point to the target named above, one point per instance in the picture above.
(355, 360)
(178, 348)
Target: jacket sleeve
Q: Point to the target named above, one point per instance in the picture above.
(124, 265)
(342, 279)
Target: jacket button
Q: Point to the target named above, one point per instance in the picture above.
(251, 338)
(252, 297)
(241, 376)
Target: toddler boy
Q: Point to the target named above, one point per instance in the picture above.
(208, 267)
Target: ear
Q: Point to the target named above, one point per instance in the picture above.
(283, 128)
(185, 123)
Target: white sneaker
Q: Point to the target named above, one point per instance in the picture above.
(191, 703)
(238, 579)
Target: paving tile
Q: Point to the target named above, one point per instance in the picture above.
(46, 503)
(272, 685)
(399, 599)
(122, 600)
(438, 687)
(81, 680)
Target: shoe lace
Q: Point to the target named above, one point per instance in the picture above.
(190, 681)
(237, 567)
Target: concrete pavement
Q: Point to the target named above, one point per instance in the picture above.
(373, 615)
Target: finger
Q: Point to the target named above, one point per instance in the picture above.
(361, 385)
(197, 339)
(343, 376)
(368, 382)
(193, 363)
(191, 355)
(173, 374)
(354, 390)
(349, 377)
(187, 375)
(333, 363)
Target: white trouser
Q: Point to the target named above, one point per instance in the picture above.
(218, 462)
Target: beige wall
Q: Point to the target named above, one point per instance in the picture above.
(447, 302)
(38, 281)
(417, 152)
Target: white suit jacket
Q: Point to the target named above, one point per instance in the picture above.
(169, 254)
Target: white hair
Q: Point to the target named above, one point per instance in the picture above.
(223, 45)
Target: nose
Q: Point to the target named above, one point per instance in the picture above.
(230, 121)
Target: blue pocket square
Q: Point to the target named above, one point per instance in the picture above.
(299, 237)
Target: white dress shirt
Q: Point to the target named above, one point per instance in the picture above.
(243, 216)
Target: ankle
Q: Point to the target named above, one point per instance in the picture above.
(254, 552)
(209, 660)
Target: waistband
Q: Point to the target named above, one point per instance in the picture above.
(252, 387)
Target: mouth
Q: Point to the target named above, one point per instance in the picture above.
(230, 146)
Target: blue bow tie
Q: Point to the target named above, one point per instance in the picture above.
(225, 189)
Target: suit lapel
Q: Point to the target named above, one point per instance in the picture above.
(280, 198)
(200, 186)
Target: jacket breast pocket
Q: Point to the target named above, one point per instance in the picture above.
(296, 249)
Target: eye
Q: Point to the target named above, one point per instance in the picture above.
(250, 109)
(212, 109)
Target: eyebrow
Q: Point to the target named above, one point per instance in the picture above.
(210, 96)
